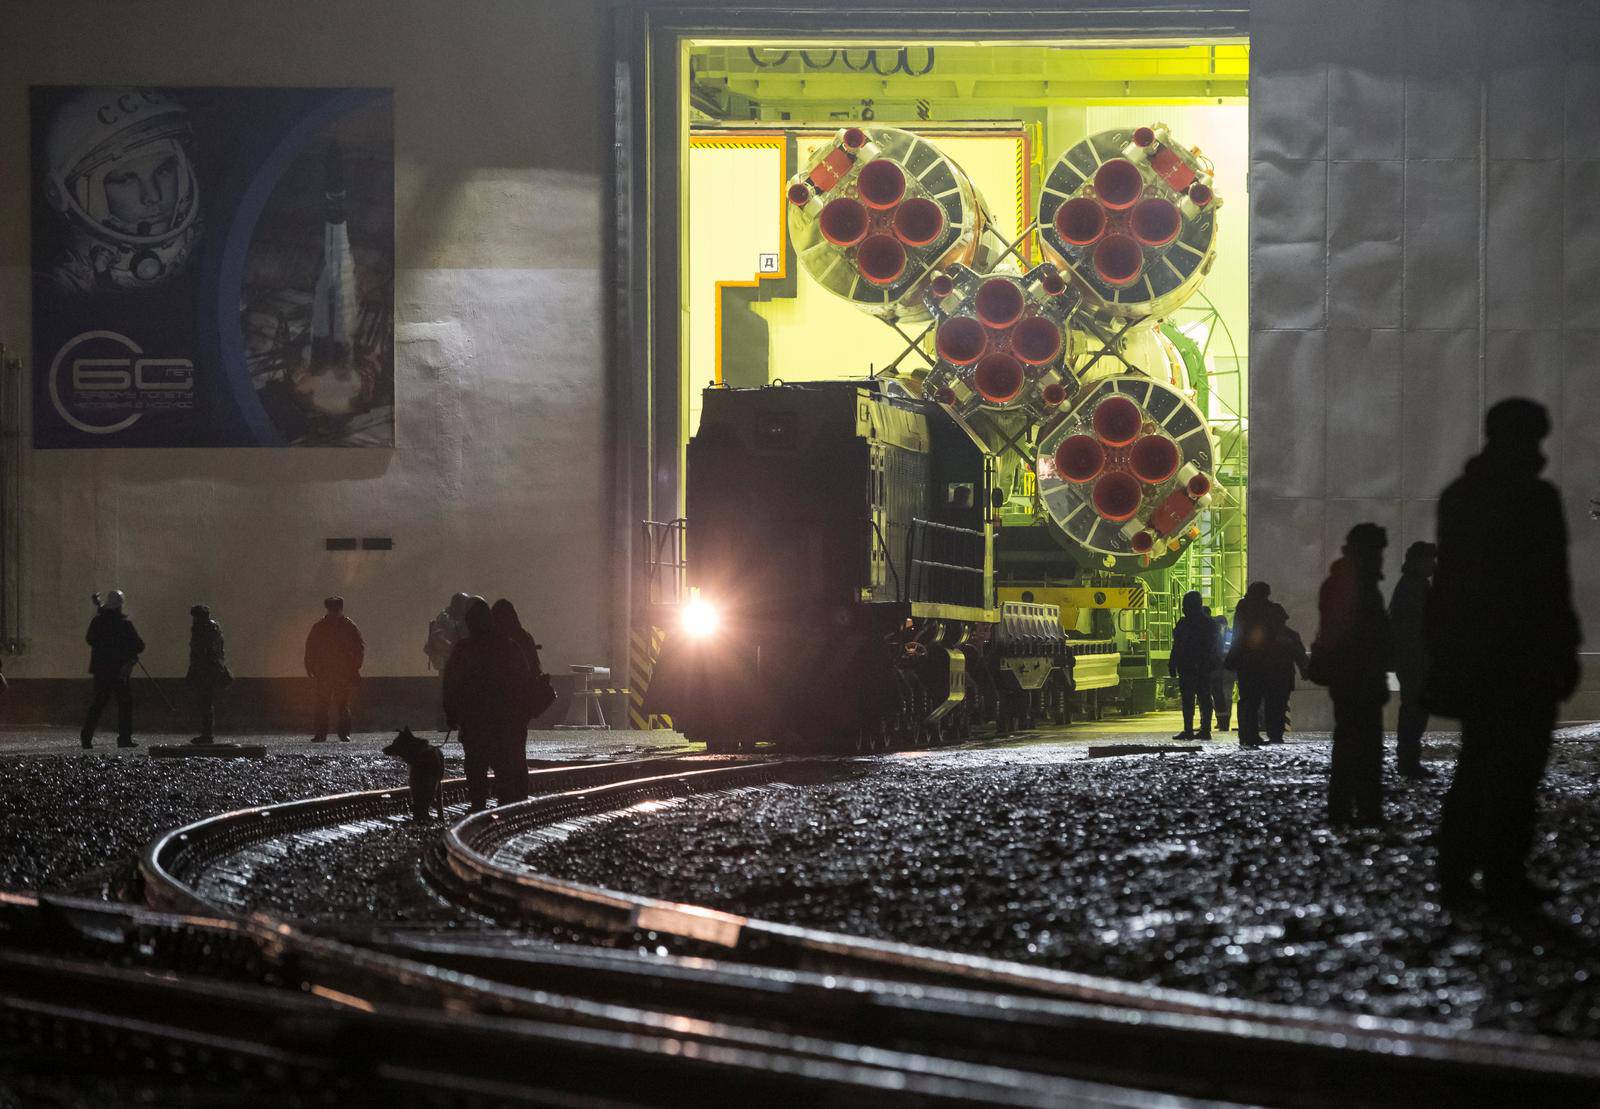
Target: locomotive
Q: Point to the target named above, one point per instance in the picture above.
(851, 549)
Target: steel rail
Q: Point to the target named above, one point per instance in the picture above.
(1254, 1050)
(173, 863)
(113, 966)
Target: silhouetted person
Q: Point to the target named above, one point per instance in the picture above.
(445, 631)
(1222, 679)
(485, 691)
(1196, 654)
(511, 754)
(334, 654)
(1502, 641)
(114, 648)
(208, 670)
(1253, 656)
(1351, 656)
(1283, 658)
(1407, 619)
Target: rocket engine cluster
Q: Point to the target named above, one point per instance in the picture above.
(1059, 367)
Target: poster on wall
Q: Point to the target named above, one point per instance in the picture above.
(212, 267)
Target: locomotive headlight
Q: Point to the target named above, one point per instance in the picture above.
(701, 618)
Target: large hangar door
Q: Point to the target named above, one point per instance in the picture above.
(724, 117)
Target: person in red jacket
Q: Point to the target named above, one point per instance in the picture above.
(334, 653)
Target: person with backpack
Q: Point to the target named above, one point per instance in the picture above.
(486, 697)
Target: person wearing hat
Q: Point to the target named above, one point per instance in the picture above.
(1407, 608)
(1351, 657)
(1502, 640)
(334, 653)
(208, 669)
(114, 648)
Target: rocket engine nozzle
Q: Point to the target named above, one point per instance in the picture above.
(1118, 184)
(1118, 259)
(1117, 421)
(918, 221)
(999, 377)
(1154, 458)
(1155, 222)
(1080, 458)
(880, 184)
(843, 221)
(1081, 220)
(881, 259)
(960, 340)
(1036, 340)
(998, 303)
(1117, 496)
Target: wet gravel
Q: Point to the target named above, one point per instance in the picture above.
(69, 820)
(1215, 872)
(370, 874)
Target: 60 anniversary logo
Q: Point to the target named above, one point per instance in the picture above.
(108, 370)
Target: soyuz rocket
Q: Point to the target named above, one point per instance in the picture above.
(1058, 367)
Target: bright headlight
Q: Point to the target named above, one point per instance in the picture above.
(701, 618)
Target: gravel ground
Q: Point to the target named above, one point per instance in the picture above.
(74, 820)
(1214, 872)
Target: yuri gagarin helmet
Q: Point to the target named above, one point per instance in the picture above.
(120, 171)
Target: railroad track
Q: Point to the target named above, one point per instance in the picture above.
(206, 866)
(1177, 1041)
(244, 1011)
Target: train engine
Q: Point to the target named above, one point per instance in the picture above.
(839, 555)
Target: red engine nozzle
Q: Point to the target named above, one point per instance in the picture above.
(1036, 340)
(1143, 136)
(1081, 220)
(1199, 486)
(945, 395)
(1117, 421)
(918, 221)
(1142, 542)
(854, 138)
(880, 184)
(1155, 221)
(843, 221)
(998, 302)
(998, 377)
(1052, 284)
(1154, 459)
(960, 340)
(1118, 259)
(1079, 458)
(1118, 183)
(799, 194)
(1200, 194)
(1054, 394)
(881, 259)
(942, 285)
(1117, 496)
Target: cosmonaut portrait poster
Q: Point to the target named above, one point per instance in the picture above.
(213, 267)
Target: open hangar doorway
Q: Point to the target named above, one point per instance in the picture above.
(718, 109)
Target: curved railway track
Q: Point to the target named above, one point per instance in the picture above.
(1178, 1041)
(789, 999)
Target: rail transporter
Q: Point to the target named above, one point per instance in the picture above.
(840, 547)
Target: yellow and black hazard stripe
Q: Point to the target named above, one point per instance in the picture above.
(1136, 595)
(644, 649)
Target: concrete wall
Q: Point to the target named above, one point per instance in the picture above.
(498, 484)
(1426, 241)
